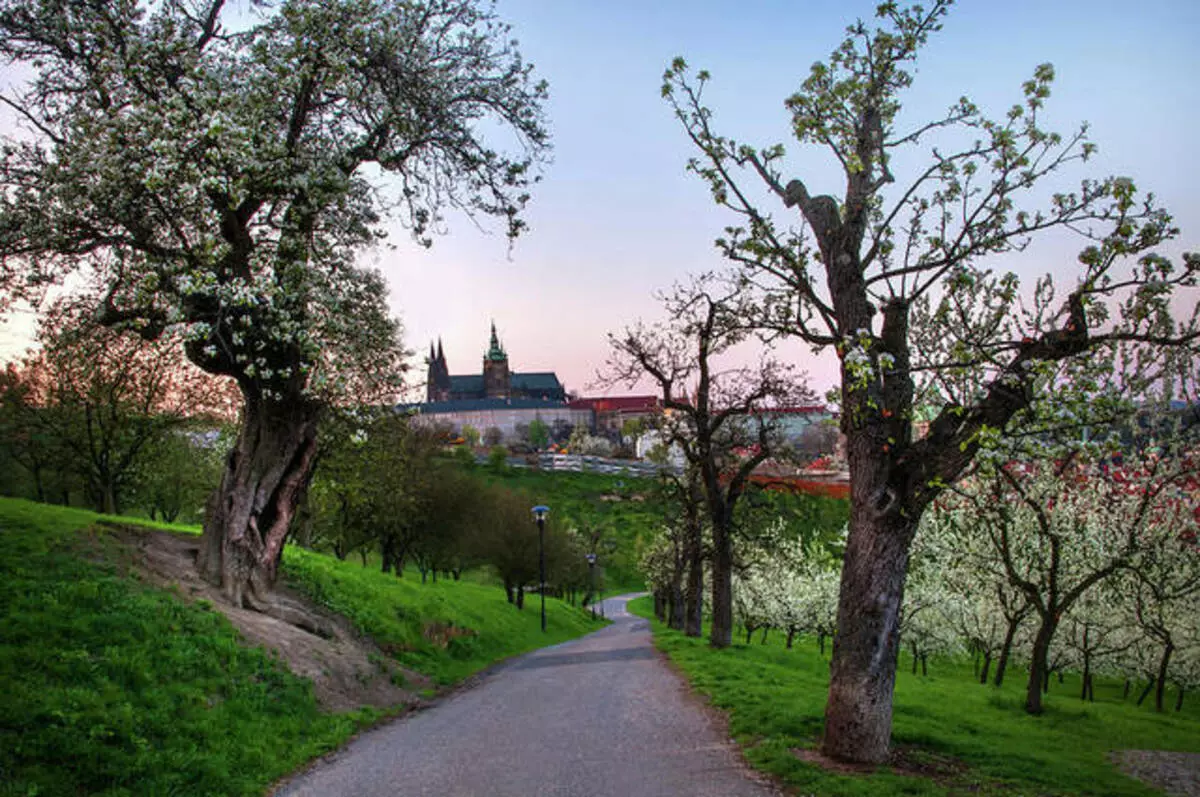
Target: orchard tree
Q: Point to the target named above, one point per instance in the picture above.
(1059, 531)
(896, 255)
(221, 177)
(106, 402)
(719, 415)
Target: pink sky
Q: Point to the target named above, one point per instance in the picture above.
(617, 218)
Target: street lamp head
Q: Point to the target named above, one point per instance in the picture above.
(591, 558)
(540, 512)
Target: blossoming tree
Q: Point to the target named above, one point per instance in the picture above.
(218, 174)
(892, 272)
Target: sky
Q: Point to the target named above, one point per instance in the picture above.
(617, 218)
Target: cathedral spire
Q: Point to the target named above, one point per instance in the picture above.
(495, 351)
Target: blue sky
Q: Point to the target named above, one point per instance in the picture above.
(617, 218)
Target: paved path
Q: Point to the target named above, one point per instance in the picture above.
(601, 715)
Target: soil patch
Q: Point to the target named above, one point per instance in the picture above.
(904, 760)
(347, 670)
(1177, 774)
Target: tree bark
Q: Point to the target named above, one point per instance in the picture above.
(1006, 649)
(1039, 674)
(1161, 687)
(678, 610)
(858, 713)
(1145, 692)
(694, 595)
(721, 632)
(987, 665)
(248, 516)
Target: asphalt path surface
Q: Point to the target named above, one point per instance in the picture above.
(601, 715)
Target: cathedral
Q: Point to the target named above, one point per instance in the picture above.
(495, 381)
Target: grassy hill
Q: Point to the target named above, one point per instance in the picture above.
(116, 687)
(953, 735)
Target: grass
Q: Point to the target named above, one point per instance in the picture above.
(448, 630)
(970, 738)
(112, 687)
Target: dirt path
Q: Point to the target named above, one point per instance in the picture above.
(598, 716)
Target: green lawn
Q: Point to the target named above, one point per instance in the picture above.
(402, 615)
(111, 687)
(977, 737)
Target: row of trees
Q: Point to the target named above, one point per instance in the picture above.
(1060, 565)
(218, 182)
(107, 421)
(385, 485)
(896, 273)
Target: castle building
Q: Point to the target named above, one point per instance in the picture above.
(495, 381)
(496, 398)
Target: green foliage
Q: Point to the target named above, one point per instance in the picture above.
(625, 513)
(117, 689)
(470, 435)
(977, 736)
(400, 614)
(498, 458)
(538, 433)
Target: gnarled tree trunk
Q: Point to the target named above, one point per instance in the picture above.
(248, 516)
(863, 668)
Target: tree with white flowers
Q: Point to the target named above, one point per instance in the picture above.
(1058, 530)
(219, 178)
(893, 266)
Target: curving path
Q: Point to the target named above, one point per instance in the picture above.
(601, 715)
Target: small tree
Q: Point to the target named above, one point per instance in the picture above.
(99, 403)
(538, 434)
(470, 435)
(721, 426)
(891, 274)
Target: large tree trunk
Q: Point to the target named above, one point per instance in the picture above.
(858, 714)
(248, 516)
(721, 632)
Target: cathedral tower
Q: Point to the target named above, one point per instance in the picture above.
(497, 382)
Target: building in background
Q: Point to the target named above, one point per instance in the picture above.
(612, 412)
(495, 380)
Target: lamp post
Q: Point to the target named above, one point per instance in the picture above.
(539, 514)
(591, 560)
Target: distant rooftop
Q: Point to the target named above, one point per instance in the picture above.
(475, 405)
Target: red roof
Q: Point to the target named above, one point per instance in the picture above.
(617, 404)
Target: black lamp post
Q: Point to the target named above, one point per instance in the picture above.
(591, 560)
(539, 514)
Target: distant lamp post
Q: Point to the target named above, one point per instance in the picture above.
(591, 560)
(539, 514)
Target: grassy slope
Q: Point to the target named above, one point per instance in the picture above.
(776, 697)
(410, 619)
(111, 687)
